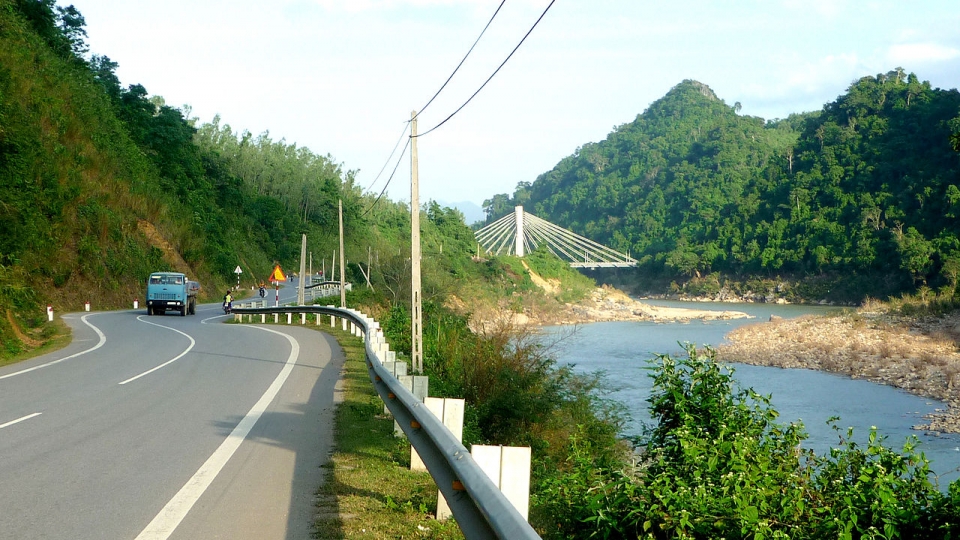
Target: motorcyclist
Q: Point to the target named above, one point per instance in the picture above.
(227, 302)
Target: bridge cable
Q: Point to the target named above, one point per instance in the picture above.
(491, 76)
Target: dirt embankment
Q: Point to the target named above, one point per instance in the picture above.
(919, 356)
(609, 304)
(604, 304)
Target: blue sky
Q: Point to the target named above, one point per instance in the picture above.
(342, 76)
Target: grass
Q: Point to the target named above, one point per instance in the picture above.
(56, 335)
(369, 491)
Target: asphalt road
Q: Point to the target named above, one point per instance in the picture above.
(167, 427)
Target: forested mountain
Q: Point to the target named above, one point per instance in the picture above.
(866, 188)
(104, 184)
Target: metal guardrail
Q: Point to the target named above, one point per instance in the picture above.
(481, 510)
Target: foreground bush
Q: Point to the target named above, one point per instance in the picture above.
(717, 465)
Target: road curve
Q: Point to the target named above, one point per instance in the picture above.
(167, 427)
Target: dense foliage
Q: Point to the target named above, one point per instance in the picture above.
(865, 188)
(105, 184)
(716, 464)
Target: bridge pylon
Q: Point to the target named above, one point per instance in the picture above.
(522, 232)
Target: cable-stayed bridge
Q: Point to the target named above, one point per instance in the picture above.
(521, 232)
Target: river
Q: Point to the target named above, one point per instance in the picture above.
(622, 349)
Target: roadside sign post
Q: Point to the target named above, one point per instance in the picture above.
(277, 276)
(238, 271)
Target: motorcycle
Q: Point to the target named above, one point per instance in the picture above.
(227, 308)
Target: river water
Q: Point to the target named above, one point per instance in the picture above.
(622, 349)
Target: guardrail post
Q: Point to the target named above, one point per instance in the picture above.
(450, 412)
(397, 369)
(509, 468)
(289, 318)
(438, 406)
(263, 318)
(303, 318)
(276, 318)
(418, 386)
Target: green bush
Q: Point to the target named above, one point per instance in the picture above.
(716, 464)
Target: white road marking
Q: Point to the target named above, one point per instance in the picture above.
(168, 362)
(103, 339)
(18, 420)
(177, 508)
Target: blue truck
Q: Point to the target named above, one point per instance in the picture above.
(171, 291)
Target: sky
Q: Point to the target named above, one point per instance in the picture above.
(342, 77)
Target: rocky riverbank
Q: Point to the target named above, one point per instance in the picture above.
(604, 304)
(917, 355)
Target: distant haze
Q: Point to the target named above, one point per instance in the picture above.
(472, 212)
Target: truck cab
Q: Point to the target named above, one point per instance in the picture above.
(171, 291)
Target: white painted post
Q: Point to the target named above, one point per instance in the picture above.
(276, 318)
(289, 318)
(49, 313)
(303, 318)
(452, 418)
(136, 303)
(509, 468)
(263, 318)
(518, 245)
(86, 306)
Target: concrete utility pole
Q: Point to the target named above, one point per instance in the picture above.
(417, 323)
(343, 292)
(303, 262)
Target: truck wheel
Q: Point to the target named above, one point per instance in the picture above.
(193, 307)
(183, 311)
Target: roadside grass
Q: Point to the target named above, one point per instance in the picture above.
(369, 491)
(54, 336)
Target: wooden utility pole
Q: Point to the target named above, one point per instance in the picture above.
(417, 322)
(343, 292)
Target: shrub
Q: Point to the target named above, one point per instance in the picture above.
(716, 464)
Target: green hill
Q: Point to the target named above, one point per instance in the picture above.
(862, 193)
(103, 185)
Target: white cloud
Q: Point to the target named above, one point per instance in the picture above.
(916, 53)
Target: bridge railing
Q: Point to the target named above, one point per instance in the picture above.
(481, 510)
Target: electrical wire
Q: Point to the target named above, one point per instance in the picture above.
(464, 59)
(494, 73)
(406, 126)
(384, 190)
(407, 123)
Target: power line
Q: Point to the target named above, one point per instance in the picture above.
(464, 59)
(384, 190)
(494, 73)
(406, 126)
